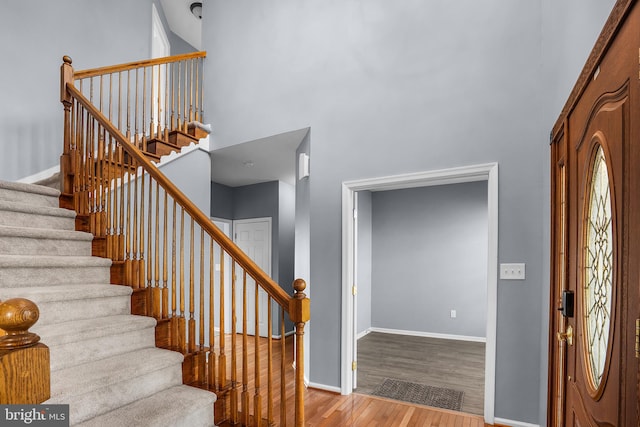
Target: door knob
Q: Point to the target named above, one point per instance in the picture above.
(566, 336)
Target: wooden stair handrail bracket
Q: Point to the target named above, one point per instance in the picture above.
(24, 361)
(185, 272)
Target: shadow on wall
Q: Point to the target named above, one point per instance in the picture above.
(29, 147)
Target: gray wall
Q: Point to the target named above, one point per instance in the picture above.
(430, 257)
(396, 87)
(221, 201)
(286, 235)
(389, 88)
(178, 44)
(191, 174)
(363, 261)
(35, 35)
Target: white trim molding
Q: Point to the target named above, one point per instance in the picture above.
(513, 423)
(427, 335)
(324, 387)
(47, 173)
(482, 172)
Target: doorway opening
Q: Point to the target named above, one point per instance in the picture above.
(485, 172)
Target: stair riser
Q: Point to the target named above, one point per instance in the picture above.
(66, 311)
(13, 277)
(33, 220)
(106, 398)
(14, 245)
(75, 353)
(30, 198)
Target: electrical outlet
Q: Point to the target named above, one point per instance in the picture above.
(453, 314)
(512, 271)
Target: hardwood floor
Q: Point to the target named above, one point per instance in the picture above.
(458, 365)
(328, 409)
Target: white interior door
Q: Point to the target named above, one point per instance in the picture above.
(253, 236)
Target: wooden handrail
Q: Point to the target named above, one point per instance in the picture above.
(82, 74)
(269, 285)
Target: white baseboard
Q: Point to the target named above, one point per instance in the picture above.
(513, 423)
(428, 334)
(325, 387)
(363, 333)
(47, 173)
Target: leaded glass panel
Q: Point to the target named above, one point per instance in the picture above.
(598, 258)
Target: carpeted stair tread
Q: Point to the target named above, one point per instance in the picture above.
(44, 241)
(81, 379)
(44, 294)
(84, 340)
(18, 271)
(79, 330)
(177, 407)
(34, 193)
(67, 303)
(29, 208)
(48, 261)
(44, 233)
(100, 386)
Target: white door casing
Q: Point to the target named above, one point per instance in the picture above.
(160, 47)
(484, 172)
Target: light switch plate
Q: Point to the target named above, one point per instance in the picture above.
(512, 271)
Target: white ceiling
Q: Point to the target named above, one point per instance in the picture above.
(262, 160)
(182, 22)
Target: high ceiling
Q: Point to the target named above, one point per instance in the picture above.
(265, 159)
(182, 22)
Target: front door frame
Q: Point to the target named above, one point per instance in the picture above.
(483, 172)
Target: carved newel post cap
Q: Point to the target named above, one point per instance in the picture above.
(66, 59)
(17, 315)
(299, 285)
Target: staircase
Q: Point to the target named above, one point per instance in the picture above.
(104, 362)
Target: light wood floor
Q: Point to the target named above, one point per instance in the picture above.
(328, 409)
(323, 408)
(458, 365)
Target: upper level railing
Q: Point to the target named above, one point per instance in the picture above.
(148, 99)
(212, 302)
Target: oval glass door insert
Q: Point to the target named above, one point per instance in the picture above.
(598, 262)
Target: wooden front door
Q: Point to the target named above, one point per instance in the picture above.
(593, 374)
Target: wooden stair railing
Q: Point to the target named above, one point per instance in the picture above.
(157, 104)
(185, 272)
(24, 360)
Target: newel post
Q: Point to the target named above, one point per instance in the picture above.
(299, 312)
(24, 361)
(66, 159)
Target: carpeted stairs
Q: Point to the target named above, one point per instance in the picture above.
(104, 362)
